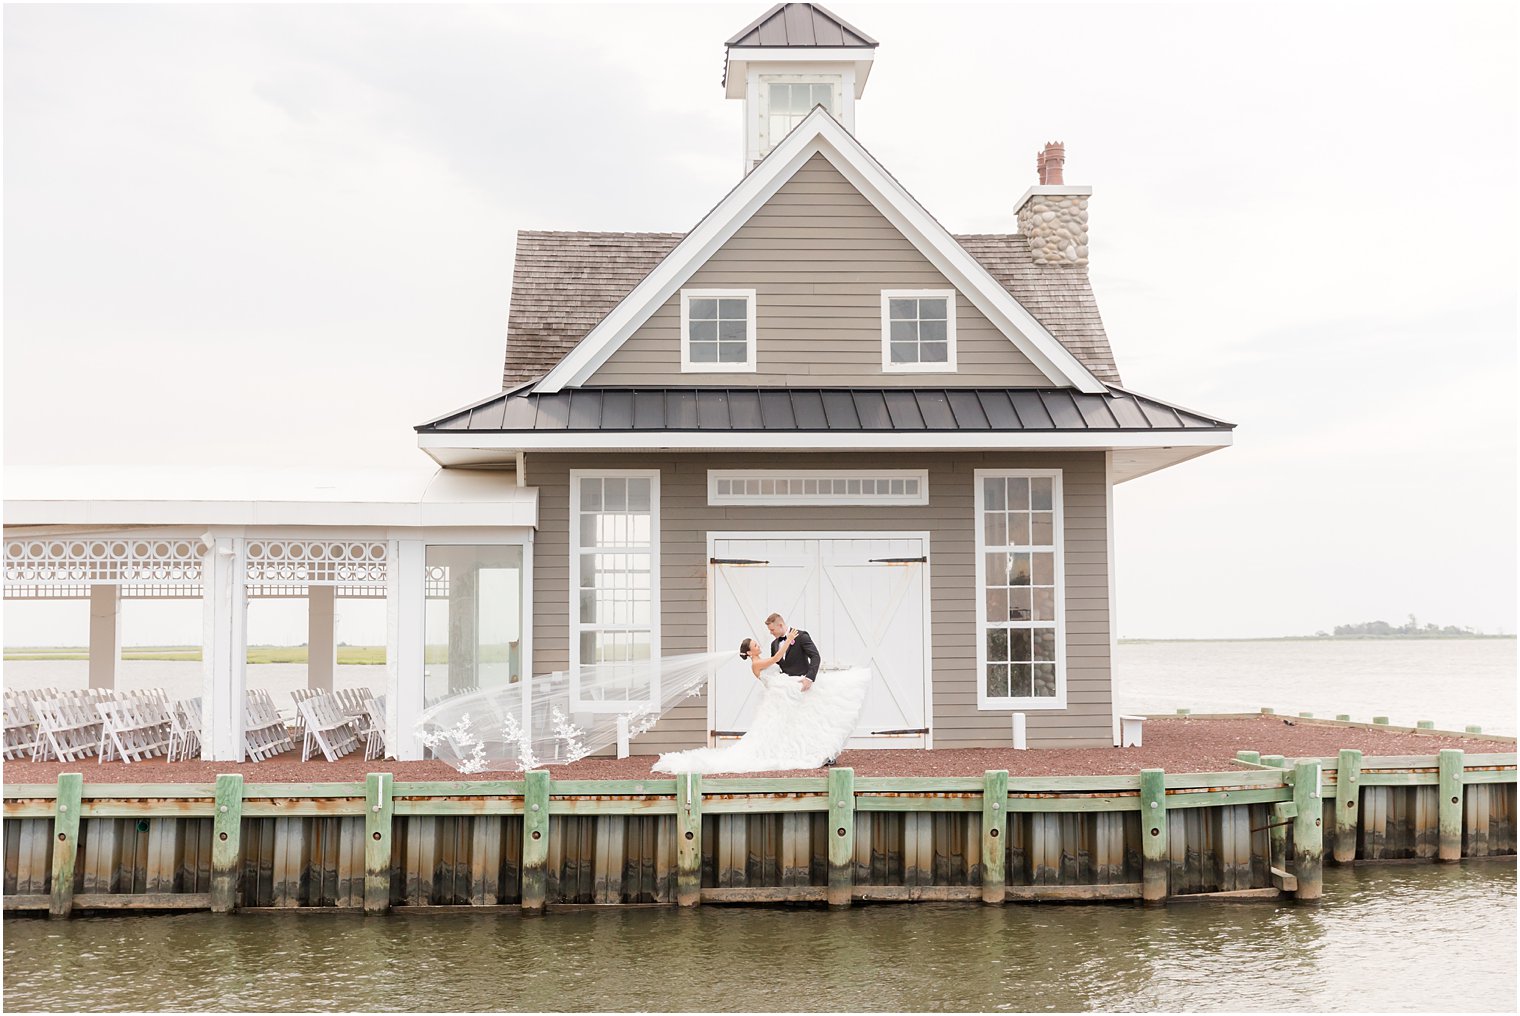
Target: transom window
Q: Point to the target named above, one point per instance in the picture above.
(614, 567)
(817, 486)
(790, 102)
(717, 330)
(1019, 575)
(918, 330)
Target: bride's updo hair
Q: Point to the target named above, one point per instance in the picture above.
(745, 648)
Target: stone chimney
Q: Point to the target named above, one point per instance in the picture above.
(1053, 213)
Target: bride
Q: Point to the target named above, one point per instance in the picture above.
(791, 729)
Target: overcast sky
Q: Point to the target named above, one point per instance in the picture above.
(283, 235)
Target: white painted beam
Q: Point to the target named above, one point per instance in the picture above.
(224, 648)
(404, 617)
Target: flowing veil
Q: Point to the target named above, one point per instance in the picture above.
(559, 718)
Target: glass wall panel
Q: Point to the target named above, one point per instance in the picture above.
(474, 619)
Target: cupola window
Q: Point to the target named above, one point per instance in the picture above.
(790, 101)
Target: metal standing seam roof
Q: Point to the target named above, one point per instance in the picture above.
(816, 410)
(564, 283)
(800, 25)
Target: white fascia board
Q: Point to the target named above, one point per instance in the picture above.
(917, 440)
(964, 271)
(821, 133)
(522, 511)
(739, 60)
(681, 263)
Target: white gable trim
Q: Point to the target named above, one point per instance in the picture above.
(822, 134)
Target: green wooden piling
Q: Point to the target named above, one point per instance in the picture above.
(65, 842)
(535, 844)
(1268, 711)
(1426, 724)
(1307, 716)
(377, 842)
(226, 842)
(841, 836)
(689, 839)
(1154, 854)
(994, 832)
(1277, 833)
(1248, 756)
(1473, 728)
(1348, 773)
(1343, 717)
(1308, 833)
(1380, 720)
(1184, 712)
(1449, 845)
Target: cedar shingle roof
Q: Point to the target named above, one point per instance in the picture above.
(564, 283)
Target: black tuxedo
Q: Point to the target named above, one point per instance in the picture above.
(802, 657)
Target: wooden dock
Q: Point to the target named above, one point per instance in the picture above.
(1263, 830)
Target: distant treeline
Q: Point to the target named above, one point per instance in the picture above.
(1410, 629)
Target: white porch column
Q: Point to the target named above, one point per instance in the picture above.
(224, 648)
(405, 589)
(321, 637)
(105, 635)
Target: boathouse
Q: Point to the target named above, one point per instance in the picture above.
(816, 400)
(819, 401)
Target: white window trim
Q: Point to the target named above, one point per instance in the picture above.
(887, 366)
(715, 498)
(687, 367)
(604, 705)
(763, 100)
(1058, 505)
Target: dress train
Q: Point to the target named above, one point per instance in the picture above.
(792, 728)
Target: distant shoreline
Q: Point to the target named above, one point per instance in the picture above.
(1330, 638)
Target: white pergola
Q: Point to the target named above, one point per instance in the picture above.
(228, 537)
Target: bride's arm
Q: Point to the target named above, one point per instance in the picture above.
(759, 663)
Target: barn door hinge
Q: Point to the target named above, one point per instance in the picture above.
(899, 560)
(734, 560)
(726, 733)
(907, 730)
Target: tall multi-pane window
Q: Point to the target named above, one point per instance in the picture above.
(1019, 575)
(718, 330)
(918, 330)
(614, 561)
(790, 102)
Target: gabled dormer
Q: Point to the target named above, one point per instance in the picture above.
(791, 59)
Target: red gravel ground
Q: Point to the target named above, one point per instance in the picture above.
(1176, 744)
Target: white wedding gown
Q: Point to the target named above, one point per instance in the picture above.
(792, 728)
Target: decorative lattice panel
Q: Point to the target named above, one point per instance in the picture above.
(344, 563)
(65, 568)
(438, 582)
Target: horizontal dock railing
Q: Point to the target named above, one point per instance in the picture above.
(535, 843)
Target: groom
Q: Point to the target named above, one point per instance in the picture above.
(802, 657)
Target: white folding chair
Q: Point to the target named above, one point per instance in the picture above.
(327, 728)
(184, 729)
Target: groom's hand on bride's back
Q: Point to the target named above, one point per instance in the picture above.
(806, 683)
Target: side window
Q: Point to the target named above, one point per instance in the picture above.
(918, 330)
(717, 330)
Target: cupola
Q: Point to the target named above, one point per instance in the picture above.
(792, 58)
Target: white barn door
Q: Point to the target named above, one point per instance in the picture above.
(865, 603)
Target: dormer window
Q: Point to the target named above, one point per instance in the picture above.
(717, 330)
(918, 330)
